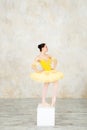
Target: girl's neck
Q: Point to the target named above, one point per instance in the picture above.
(43, 53)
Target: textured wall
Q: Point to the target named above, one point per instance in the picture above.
(62, 24)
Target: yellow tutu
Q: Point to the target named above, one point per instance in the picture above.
(48, 75)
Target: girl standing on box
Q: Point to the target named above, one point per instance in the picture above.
(47, 74)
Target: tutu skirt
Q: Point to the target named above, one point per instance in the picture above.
(47, 76)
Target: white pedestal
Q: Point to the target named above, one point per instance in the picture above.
(45, 116)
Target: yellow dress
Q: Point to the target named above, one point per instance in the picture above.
(48, 74)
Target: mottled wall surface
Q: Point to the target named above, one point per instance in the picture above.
(62, 24)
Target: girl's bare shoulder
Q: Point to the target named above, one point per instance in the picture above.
(37, 59)
(48, 55)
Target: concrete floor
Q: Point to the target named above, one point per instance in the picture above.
(20, 114)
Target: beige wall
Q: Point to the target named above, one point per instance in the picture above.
(62, 24)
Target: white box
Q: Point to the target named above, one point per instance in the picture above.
(45, 116)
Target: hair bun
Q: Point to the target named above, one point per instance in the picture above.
(38, 46)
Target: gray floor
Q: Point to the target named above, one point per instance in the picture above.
(20, 114)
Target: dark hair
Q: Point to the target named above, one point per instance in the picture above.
(40, 46)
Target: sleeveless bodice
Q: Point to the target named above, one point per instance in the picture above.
(46, 64)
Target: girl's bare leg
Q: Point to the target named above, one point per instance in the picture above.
(44, 92)
(54, 93)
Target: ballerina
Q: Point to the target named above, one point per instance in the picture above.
(47, 74)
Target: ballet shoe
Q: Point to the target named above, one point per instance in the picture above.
(52, 104)
(45, 104)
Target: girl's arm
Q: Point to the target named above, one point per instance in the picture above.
(54, 61)
(35, 64)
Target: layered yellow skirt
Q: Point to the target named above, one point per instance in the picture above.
(47, 76)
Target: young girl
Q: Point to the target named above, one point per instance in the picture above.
(47, 74)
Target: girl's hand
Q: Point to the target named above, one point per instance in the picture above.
(52, 68)
(39, 71)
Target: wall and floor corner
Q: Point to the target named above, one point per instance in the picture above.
(59, 23)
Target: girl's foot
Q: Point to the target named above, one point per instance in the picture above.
(52, 105)
(45, 104)
(53, 101)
